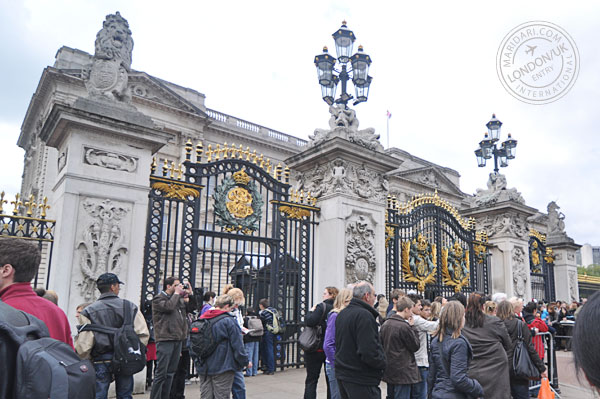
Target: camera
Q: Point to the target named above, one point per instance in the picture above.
(186, 286)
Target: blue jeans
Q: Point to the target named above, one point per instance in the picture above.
(238, 389)
(333, 385)
(419, 390)
(266, 351)
(252, 351)
(401, 391)
(124, 383)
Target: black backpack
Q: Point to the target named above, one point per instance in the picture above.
(129, 354)
(202, 339)
(44, 367)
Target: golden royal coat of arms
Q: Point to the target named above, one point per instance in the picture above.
(455, 266)
(419, 261)
(238, 204)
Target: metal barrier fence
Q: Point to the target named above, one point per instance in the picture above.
(549, 361)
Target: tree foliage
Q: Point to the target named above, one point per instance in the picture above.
(591, 270)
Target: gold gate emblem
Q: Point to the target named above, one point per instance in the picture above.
(240, 203)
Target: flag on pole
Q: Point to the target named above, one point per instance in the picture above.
(389, 114)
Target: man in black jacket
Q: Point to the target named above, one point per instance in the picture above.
(359, 357)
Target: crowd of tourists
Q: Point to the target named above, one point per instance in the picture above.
(456, 347)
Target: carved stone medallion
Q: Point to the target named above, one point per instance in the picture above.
(360, 250)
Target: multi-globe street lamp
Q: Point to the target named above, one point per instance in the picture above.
(358, 72)
(488, 148)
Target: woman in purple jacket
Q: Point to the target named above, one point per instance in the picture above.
(341, 301)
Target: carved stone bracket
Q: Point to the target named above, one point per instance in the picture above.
(360, 250)
(110, 160)
(102, 248)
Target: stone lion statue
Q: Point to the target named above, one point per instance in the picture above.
(108, 74)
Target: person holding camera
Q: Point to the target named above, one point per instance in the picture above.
(169, 316)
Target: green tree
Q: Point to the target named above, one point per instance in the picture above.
(591, 270)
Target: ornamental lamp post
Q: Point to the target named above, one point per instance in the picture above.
(488, 148)
(353, 67)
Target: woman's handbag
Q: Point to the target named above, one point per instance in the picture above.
(311, 338)
(523, 366)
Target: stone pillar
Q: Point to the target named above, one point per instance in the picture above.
(350, 183)
(506, 226)
(565, 269)
(100, 198)
(564, 247)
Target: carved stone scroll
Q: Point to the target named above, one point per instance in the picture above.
(110, 160)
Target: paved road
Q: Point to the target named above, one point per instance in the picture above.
(290, 384)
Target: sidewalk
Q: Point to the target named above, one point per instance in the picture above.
(290, 384)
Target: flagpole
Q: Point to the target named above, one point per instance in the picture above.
(388, 129)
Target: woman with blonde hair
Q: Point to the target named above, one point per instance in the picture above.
(490, 308)
(237, 295)
(341, 301)
(451, 354)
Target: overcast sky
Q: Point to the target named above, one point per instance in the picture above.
(434, 69)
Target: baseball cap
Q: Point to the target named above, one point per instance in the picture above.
(108, 278)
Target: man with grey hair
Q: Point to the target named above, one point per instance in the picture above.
(359, 357)
(499, 297)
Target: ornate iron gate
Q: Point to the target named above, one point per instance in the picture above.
(432, 249)
(28, 224)
(541, 267)
(233, 219)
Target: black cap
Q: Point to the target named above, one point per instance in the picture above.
(108, 278)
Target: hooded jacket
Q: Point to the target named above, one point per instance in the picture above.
(230, 354)
(359, 356)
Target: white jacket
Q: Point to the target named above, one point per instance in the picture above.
(423, 327)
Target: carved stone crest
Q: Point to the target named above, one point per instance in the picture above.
(343, 122)
(102, 248)
(107, 77)
(360, 250)
(110, 160)
(340, 176)
(508, 224)
(520, 271)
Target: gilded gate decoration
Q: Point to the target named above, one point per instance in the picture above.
(231, 217)
(238, 204)
(541, 267)
(455, 267)
(419, 262)
(28, 221)
(432, 249)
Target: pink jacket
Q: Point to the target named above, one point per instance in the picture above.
(21, 296)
